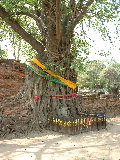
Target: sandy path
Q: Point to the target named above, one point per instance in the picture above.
(102, 145)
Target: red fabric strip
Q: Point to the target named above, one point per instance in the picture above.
(67, 95)
(35, 98)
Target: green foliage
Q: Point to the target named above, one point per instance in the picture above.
(20, 46)
(50, 84)
(60, 68)
(3, 53)
(111, 74)
(79, 51)
(99, 13)
(90, 75)
(23, 48)
(99, 73)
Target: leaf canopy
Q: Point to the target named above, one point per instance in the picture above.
(33, 17)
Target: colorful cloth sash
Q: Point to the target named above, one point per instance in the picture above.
(67, 82)
(43, 74)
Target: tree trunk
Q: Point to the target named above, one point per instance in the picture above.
(36, 85)
(46, 105)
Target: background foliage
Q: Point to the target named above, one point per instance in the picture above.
(99, 74)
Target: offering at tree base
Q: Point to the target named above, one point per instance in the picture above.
(83, 123)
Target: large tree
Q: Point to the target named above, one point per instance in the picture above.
(48, 26)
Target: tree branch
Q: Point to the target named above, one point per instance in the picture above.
(35, 17)
(72, 4)
(78, 17)
(17, 28)
(58, 20)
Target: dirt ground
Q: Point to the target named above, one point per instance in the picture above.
(48, 145)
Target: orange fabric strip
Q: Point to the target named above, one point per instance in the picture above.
(67, 82)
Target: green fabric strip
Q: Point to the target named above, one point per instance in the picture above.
(46, 76)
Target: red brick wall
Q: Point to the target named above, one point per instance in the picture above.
(12, 74)
(13, 117)
(110, 106)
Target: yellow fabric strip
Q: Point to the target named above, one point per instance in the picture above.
(43, 74)
(67, 82)
(35, 68)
